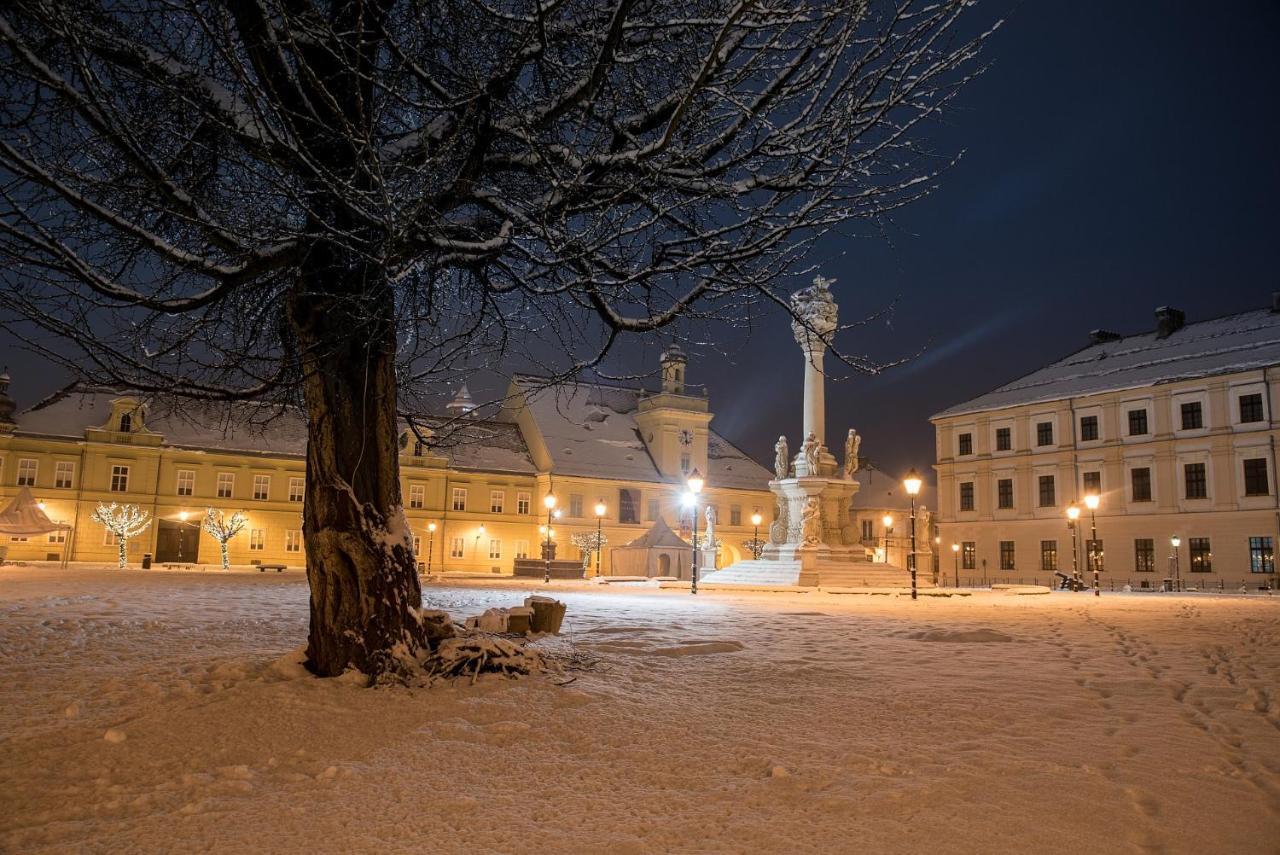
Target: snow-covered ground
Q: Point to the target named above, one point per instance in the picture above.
(155, 711)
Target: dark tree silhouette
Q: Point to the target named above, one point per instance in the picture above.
(333, 204)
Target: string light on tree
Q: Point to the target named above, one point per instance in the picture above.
(222, 528)
(124, 522)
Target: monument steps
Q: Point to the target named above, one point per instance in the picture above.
(861, 574)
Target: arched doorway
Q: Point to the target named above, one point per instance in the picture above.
(664, 564)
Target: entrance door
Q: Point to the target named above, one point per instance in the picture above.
(177, 542)
(664, 564)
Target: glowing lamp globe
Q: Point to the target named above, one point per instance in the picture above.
(600, 509)
(1092, 501)
(695, 482)
(912, 482)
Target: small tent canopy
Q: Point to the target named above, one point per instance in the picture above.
(24, 518)
(657, 552)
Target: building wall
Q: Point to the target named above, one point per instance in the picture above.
(1227, 516)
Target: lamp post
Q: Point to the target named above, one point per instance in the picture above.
(1176, 542)
(694, 483)
(1091, 502)
(755, 538)
(888, 532)
(601, 508)
(1073, 515)
(912, 483)
(548, 502)
(955, 558)
(431, 544)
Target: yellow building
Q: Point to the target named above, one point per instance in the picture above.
(482, 485)
(1173, 430)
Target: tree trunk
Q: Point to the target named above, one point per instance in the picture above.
(366, 598)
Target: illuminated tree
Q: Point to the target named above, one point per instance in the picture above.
(222, 528)
(124, 522)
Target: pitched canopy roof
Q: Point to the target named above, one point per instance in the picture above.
(24, 518)
(1227, 345)
(659, 537)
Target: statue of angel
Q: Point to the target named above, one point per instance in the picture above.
(852, 443)
(781, 462)
(811, 522)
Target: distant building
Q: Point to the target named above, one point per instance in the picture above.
(481, 484)
(880, 496)
(1174, 430)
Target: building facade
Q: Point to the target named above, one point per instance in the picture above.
(479, 482)
(1173, 430)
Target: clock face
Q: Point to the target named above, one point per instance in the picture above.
(686, 437)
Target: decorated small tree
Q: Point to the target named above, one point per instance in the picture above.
(590, 543)
(222, 528)
(123, 521)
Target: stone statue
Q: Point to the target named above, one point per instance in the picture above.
(924, 519)
(710, 536)
(778, 529)
(811, 522)
(813, 312)
(812, 450)
(781, 462)
(851, 445)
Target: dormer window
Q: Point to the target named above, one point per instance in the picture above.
(126, 423)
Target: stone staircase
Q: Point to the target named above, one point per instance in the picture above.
(861, 574)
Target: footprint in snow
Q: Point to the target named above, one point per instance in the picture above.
(700, 648)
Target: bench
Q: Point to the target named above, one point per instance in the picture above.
(279, 568)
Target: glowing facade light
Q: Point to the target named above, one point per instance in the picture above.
(431, 527)
(955, 547)
(687, 499)
(601, 508)
(182, 515)
(1073, 513)
(756, 519)
(548, 501)
(912, 482)
(1175, 541)
(1092, 501)
(888, 521)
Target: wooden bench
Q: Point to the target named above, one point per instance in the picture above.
(263, 568)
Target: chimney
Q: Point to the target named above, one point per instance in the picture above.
(1102, 336)
(1169, 320)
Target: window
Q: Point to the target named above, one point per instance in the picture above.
(1201, 555)
(1049, 555)
(1138, 422)
(1004, 493)
(628, 505)
(60, 536)
(27, 472)
(108, 537)
(261, 487)
(126, 423)
(1192, 416)
(293, 541)
(1044, 433)
(735, 515)
(497, 501)
(966, 495)
(1088, 428)
(575, 505)
(119, 479)
(417, 496)
(965, 444)
(1093, 555)
(418, 448)
(1197, 483)
(1251, 408)
(652, 510)
(495, 549)
(1144, 555)
(297, 489)
(868, 530)
(1006, 555)
(64, 473)
(186, 482)
(1004, 439)
(522, 503)
(459, 500)
(1255, 477)
(1092, 482)
(257, 540)
(685, 464)
(1140, 478)
(969, 555)
(417, 545)
(522, 549)
(226, 484)
(1048, 491)
(1262, 555)
(17, 539)
(456, 546)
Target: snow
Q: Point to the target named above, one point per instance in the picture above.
(156, 711)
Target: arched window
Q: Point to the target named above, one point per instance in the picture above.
(126, 423)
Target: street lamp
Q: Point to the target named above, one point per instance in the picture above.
(548, 502)
(1073, 516)
(601, 508)
(756, 519)
(955, 557)
(1091, 502)
(431, 544)
(694, 483)
(888, 531)
(1176, 542)
(912, 483)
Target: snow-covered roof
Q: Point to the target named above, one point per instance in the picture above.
(484, 446)
(1227, 345)
(660, 536)
(877, 489)
(590, 430)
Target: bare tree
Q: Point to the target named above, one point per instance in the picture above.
(335, 204)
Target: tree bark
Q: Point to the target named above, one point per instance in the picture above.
(366, 598)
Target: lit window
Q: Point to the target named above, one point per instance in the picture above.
(1144, 555)
(969, 555)
(1201, 555)
(1049, 555)
(1006, 555)
(1262, 555)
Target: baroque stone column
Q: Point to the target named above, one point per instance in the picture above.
(816, 307)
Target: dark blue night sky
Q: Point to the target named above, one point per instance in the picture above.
(1118, 156)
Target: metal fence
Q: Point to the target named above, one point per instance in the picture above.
(1261, 583)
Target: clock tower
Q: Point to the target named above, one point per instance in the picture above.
(673, 423)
